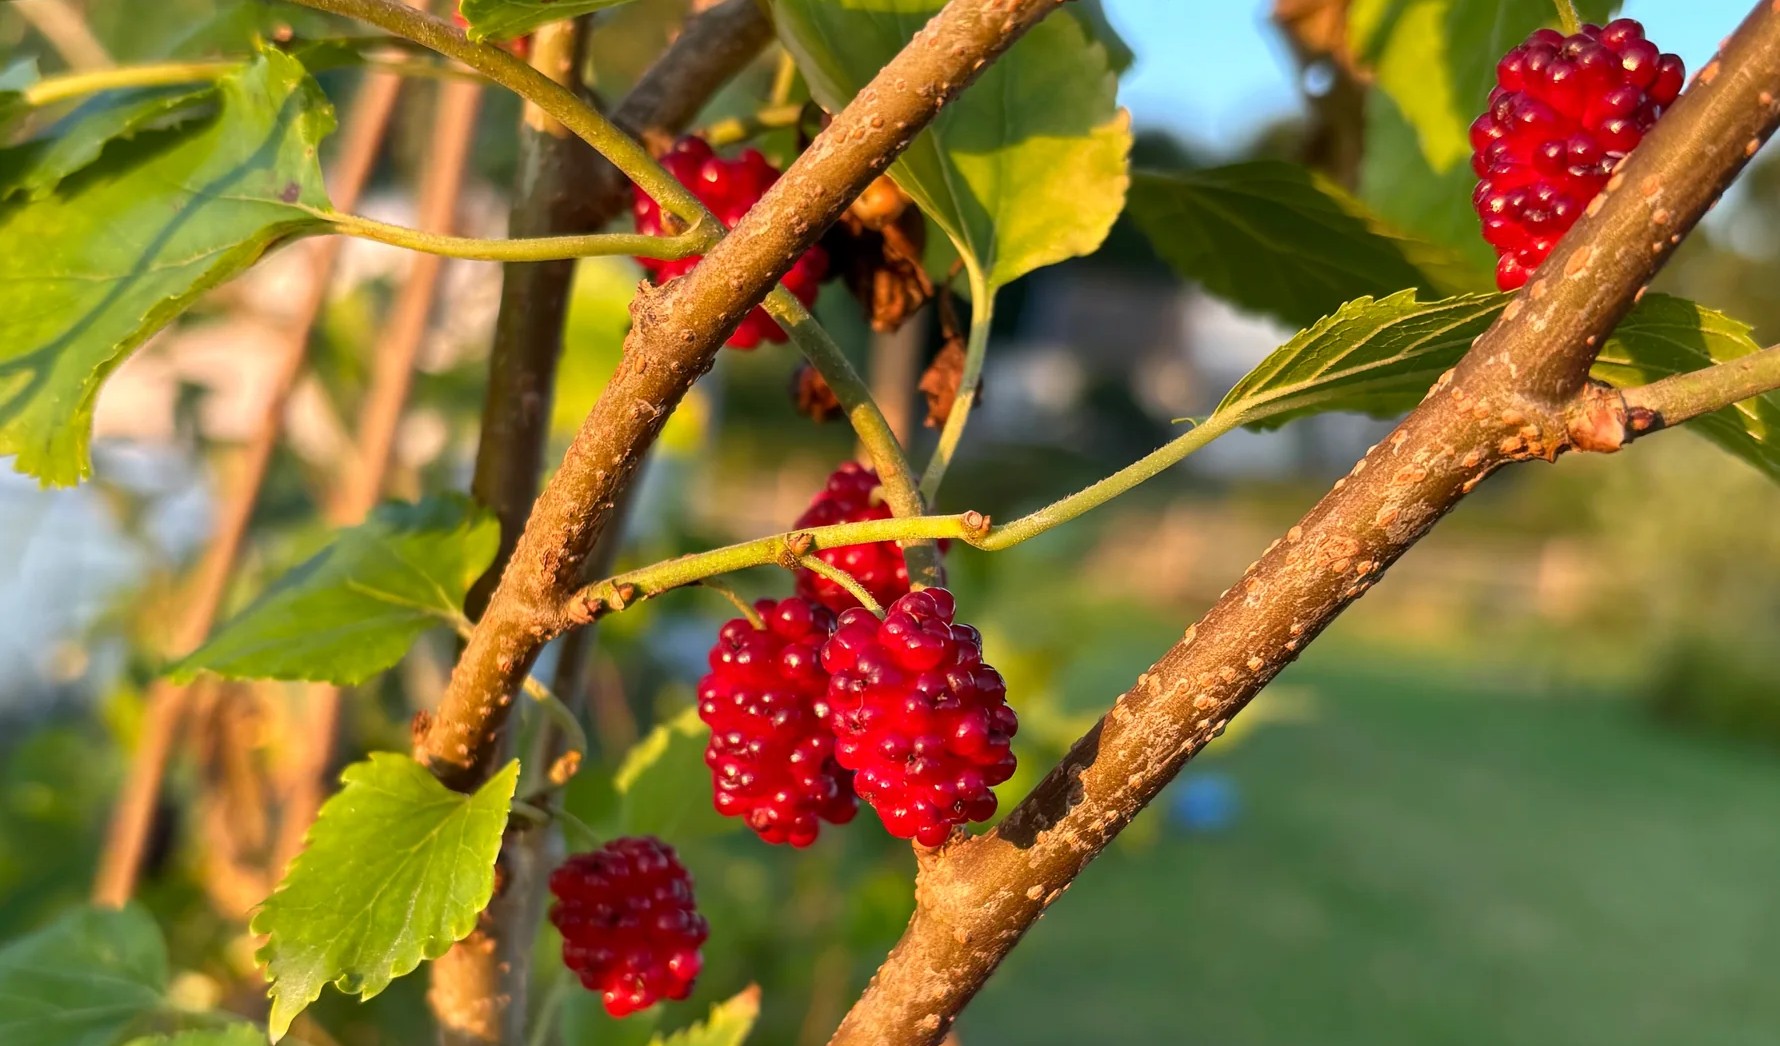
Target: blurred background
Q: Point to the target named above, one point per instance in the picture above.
(1525, 792)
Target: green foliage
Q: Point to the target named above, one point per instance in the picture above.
(728, 1025)
(1025, 169)
(354, 608)
(13, 81)
(1093, 15)
(1377, 356)
(506, 19)
(1666, 335)
(396, 868)
(83, 979)
(36, 168)
(236, 1034)
(1397, 182)
(1279, 239)
(90, 271)
(664, 786)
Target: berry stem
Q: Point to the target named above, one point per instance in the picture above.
(75, 85)
(588, 839)
(1567, 19)
(525, 249)
(818, 565)
(982, 313)
(544, 1021)
(887, 457)
(746, 609)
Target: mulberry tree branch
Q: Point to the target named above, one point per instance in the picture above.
(1506, 402)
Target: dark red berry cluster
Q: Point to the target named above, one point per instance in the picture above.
(851, 495)
(728, 188)
(629, 928)
(1565, 111)
(916, 714)
(771, 755)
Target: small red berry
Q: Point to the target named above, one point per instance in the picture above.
(916, 714)
(1565, 111)
(630, 929)
(728, 188)
(852, 495)
(771, 756)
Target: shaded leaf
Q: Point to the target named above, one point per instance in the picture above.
(1404, 191)
(728, 1025)
(1376, 356)
(114, 253)
(81, 980)
(354, 608)
(237, 1034)
(1279, 239)
(1437, 59)
(1664, 336)
(1092, 13)
(77, 140)
(395, 870)
(506, 19)
(13, 81)
(1025, 169)
(664, 786)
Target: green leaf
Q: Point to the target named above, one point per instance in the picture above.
(664, 786)
(1437, 59)
(1093, 15)
(39, 166)
(1664, 336)
(1405, 192)
(236, 1034)
(1277, 238)
(81, 980)
(354, 608)
(396, 869)
(1025, 169)
(13, 81)
(506, 19)
(728, 1025)
(1377, 356)
(117, 251)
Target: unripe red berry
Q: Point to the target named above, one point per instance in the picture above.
(630, 929)
(916, 714)
(852, 495)
(727, 188)
(771, 755)
(1565, 111)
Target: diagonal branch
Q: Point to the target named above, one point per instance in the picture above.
(677, 332)
(1504, 403)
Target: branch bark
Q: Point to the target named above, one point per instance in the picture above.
(677, 332)
(1506, 402)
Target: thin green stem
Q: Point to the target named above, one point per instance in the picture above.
(586, 122)
(843, 579)
(588, 839)
(528, 249)
(1567, 18)
(525, 810)
(887, 457)
(544, 1021)
(743, 606)
(742, 128)
(982, 313)
(75, 85)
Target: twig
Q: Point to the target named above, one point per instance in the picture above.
(982, 315)
(1671, 401)
(519, 249)
(818, 565)
(52, 89)
(1505, 402)
(131, 821)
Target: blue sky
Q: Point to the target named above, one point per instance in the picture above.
(1206, 69)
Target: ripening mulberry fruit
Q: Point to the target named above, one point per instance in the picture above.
(728, 188)
(851, 496)
(771, 755)
(630, 929)
(1565, 111)
(916, 714)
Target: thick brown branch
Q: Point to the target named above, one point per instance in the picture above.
(677, 331)
(1504, 403)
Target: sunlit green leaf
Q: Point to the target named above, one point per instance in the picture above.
(37, 167)
(81, 980)
(119, 249)
(1025, 169)
(506, 19)
(664, 786)
(728, 1025)
(1278, 239)
(354, 608)
(396, 869)
(236, 1034)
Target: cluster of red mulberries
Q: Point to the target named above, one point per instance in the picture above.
(1565, 111)
(728, 188)
(851, 496)
(771, 757)
(629, 926)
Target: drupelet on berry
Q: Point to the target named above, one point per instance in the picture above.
(916, 714)
(630, 928)
(1565, 111)
(771, 755)
(728, 188)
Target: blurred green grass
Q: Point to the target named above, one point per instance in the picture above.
(1429, 859)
